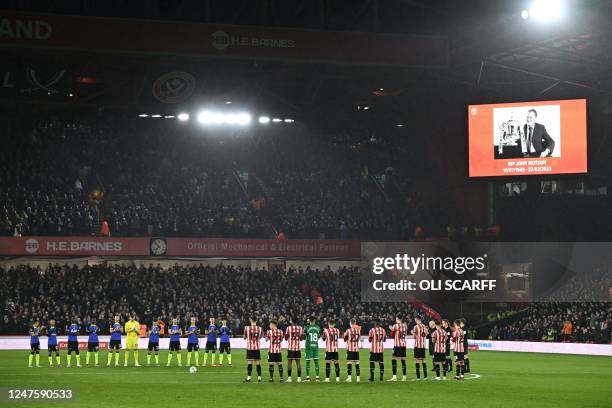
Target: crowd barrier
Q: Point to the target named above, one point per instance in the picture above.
(23, 343)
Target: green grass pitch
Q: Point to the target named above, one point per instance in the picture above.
(504, 380)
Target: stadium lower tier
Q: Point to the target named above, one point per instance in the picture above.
(517, 378)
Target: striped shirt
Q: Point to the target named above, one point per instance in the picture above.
(457, 339)
(275, 337)
(331, 335)
(252, 334)
(439, 340)
(377, 338)
(398, 332)
(420, 335)
(293, 335)
(352, 337)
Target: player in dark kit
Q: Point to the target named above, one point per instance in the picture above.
(34, 345)
(211, 342)
(115, 342)
(153, 346)
(225, 333)
(193, 346)
(447, 328)
(52, 333)
(466, 363)
(175, 342)
(73, 342)
(93, 346)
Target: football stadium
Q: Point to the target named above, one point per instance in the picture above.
(364, 203)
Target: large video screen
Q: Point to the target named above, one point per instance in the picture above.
(527, 138)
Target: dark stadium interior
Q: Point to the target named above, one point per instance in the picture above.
(376, 153)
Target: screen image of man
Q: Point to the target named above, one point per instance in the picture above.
(537, 142)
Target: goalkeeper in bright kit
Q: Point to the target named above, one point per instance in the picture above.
(312, 332)
(132, 329)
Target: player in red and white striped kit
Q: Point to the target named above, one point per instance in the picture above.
(253, 334)
(275, 356)
(399, 331)
(331, 335)
(377, 337)
(352, 337)
(458, 340)
(419, 331)
(294, 334)
(439, 341)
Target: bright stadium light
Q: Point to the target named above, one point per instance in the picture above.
(264, 119)
(169, 116)
(243, 118)
(524, 14)
(219, 118)
(277, 120)
(156, 116)
(143, 115)
(546, 10)
(289, 120)
(183, 116)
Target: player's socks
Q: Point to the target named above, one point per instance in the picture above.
(394, 367)
(87, 357)
(212, 359)
(197, 357)
(316, 364)
(229, 359)
(117, 358)
(466, 363)
(156, 359)
(178, 358)
(109, 358)
(96, 357)
(458, 370)
(280, 371)
(404, 368)
(136, 363)
(424, 370)
(148, 359)
(189, 357)
(381, 367)
(299, 370)
(126, 357)
(221, 359)
(30, 359)
(349, 370)
(337, 371)
(50, 360)
(205, 358)
(271, 370)
(57, 358)
(259, 372)
(437, 368)
(169, 358)
(78, 358)
(68, 359)
(308, 369)
(37, 360)
(418, 371)
(249, 370)
(289, 366)
(327, 369)
(371, 371)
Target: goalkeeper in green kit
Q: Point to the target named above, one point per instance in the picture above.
(312, 332)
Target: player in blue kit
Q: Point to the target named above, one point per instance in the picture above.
(52, 333)
(211, 342)
(224, 344)
(34, 345)
(93, 346)
(115, 342)
(193, 332)
(153, 346)
(73, 342)
(175, 342)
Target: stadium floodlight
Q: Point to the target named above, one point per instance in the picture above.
(289, 120)
(207, 117)
(546, 10)
(525, 14)
(228, 102)
(169, 116)
(143, 115)
(156, 116)
(264, 119)
(400, 125)
(183, 116)
(243, 118)
(277, 120)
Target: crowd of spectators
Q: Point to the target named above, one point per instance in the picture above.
(64, 292)
(584, 322)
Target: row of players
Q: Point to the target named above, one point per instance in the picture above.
(442, 336)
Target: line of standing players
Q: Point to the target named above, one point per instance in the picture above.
(441, 337)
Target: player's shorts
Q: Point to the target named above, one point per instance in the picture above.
(331, 355)
(35, 346)
(459, 356)
(52, 348)
(352, 356)
(224, 347)
(73, 346)
(253, 355)
(312, 354)
(419, 353)
(93, 346)
(275, 358)
(439, 357)
(114, 345)
(376, 357)
(193, 346)
(175, 345)
(153, 346)
(294, 354)
(399, 352)
(211, 346)
(131, 342)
